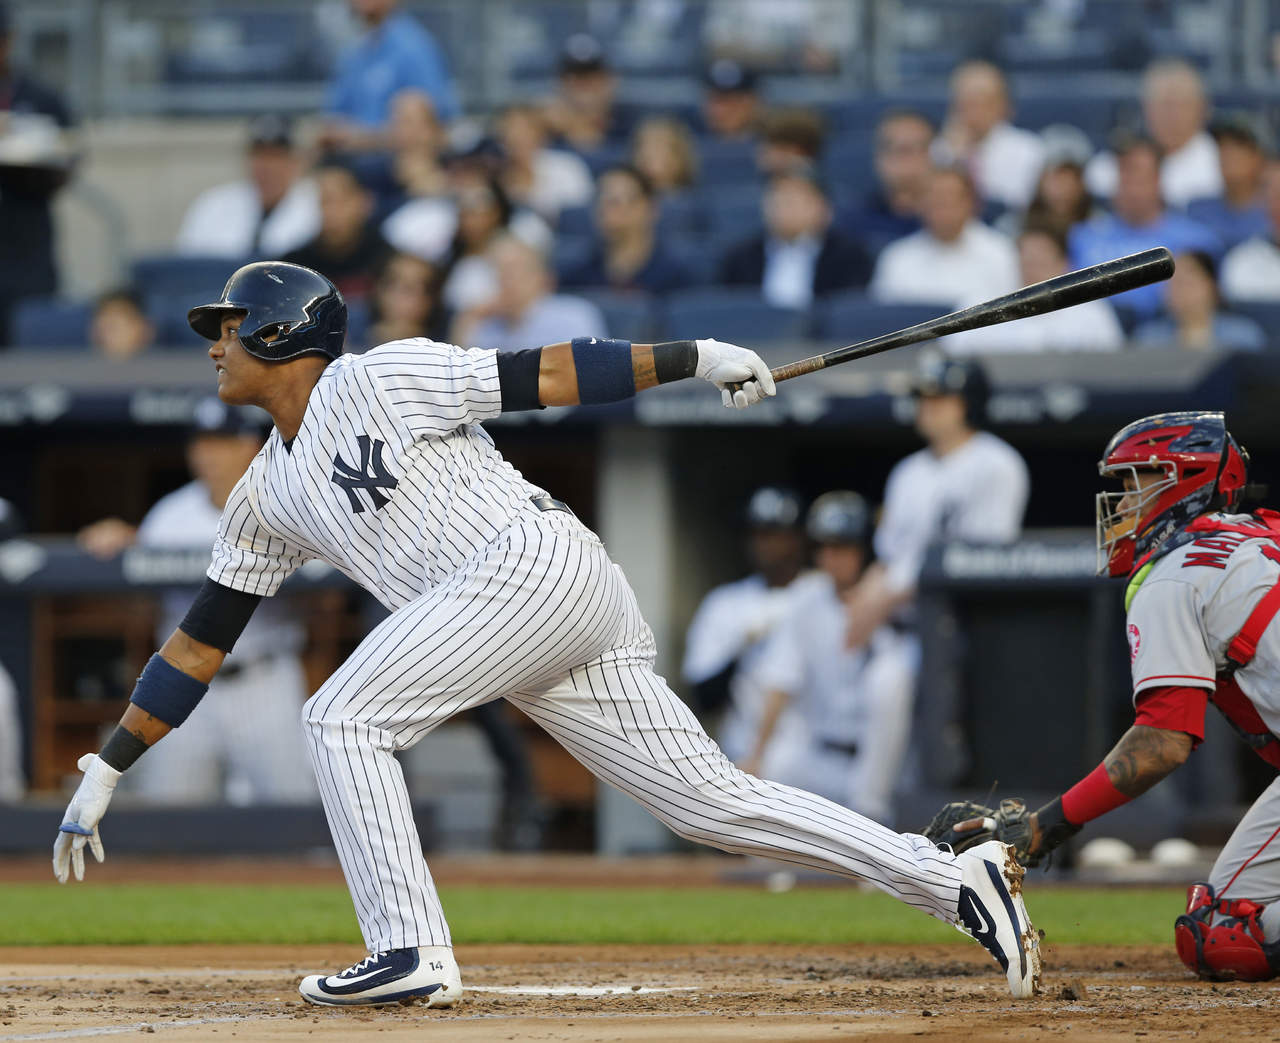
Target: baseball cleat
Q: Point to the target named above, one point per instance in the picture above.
(992, 911)
(427, 975)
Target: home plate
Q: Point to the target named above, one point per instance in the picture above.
(578, 990)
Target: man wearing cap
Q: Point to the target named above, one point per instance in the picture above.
(584, 115)
(395, 52)
(32, 121)
(734, 619)
(248, 747)
(799, 256)
(730, 102)
(965, 484)
(267, 213)
(835, 719)
(1240, 212)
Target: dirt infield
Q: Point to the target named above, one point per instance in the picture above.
(629, 993)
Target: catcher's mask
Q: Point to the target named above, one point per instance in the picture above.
(1202, 469)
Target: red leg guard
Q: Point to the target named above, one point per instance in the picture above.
(1233, 948)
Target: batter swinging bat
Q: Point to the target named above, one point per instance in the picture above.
(1063, 291)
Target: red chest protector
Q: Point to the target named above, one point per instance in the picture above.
(1233, 704)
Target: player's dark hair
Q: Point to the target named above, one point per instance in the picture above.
(1204, 261)
(903, 113)
(1042, 228)
(1125, 141)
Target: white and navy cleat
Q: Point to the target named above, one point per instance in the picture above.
(992, 911)
(428, 975)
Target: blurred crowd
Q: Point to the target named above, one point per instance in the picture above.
(577, 214)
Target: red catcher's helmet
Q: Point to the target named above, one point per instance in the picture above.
(1204, 470)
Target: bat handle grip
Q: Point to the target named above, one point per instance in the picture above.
(791, 369)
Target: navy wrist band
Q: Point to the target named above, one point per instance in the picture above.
(166, 692)
(604, 368)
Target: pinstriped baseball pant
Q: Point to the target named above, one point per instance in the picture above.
(543, 618)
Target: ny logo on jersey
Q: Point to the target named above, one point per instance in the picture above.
(371, 475)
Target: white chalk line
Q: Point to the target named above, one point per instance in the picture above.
(580, 990)
(141, 1026)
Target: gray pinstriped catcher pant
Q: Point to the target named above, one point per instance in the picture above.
(543, 618)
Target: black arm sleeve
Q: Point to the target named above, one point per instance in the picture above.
(518, 379)
(218, 615)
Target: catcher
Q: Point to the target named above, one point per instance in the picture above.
(1203, 587)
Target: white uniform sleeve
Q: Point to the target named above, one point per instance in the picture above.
(994, 511)
(781, 665)
(246, 557)
(906, 526)
(1167, 641)
(437, 388)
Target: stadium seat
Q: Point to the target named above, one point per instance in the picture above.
(726, 163)
(731, 314)
(159, 274)
(168, 314)
(50, 322)
(1265, 313)
(855, 316)
(628, 316)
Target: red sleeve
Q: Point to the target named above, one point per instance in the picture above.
(1174, 708)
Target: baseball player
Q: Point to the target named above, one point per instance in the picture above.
(836, 719)
(244, 744)
(1203, 589)
(734, 619)
(379, 466)
(966, 484)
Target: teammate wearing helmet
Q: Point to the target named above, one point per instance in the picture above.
(734, 619)
(837, 719)
(1203, 588)
(966, 484)
(378, 465)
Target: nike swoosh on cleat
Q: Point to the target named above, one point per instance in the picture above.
(980, 925)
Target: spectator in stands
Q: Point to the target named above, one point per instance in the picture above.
(731, 107)
(628, 254)
(1175, 109)
(789, 138)
(1093, 326)
(1138, 221)
(1194, 319)
(484, 212)
(663, 150)
(525, 311)
(416, 190)
(348, 248)
(1240, 212)
(1251, 271)
(33, 119)
(892, 208)
(954, 258)
(1003, 160)
(583, 115)
(1061, 200)
(406, 302)
(270, 211)
(544, 179)
(395, 52)
(119, 328)
(799, 256)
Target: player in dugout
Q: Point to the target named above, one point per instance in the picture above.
(378, 465)
(1203, 586)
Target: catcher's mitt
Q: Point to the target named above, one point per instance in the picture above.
(1010, 824)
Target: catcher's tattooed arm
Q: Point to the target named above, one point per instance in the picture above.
(1144, 756)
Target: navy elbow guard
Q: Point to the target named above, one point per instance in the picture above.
(166, 692)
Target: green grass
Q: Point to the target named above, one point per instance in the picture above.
(49, 914)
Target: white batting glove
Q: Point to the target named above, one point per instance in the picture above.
(725, 364)
(80, 823)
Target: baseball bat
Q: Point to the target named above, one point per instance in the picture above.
(1062, 291)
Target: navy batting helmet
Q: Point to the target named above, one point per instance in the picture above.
(839, 517)
(940, 375)
(773, 507)
(302, 307)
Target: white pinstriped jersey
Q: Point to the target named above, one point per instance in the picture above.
(390, 478)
